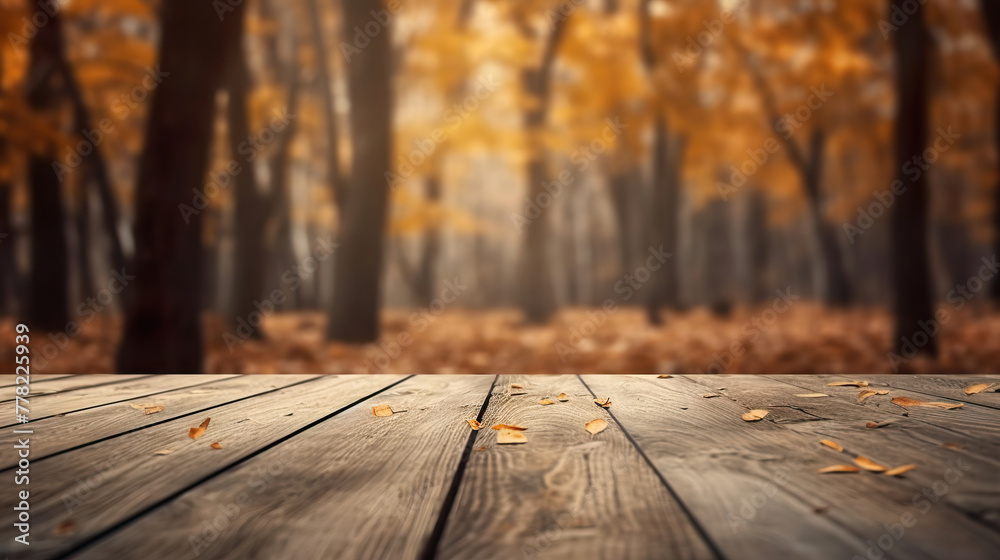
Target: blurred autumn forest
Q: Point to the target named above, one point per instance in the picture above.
(502, 186)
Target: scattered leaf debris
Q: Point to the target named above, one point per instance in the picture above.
(710, 395)
(65, 527)
(382, 410)
(508, 427)
(152, 410)
(664, 376)
(832, 445)
(977, 388)
(516, 386)
(951, 445)
(507, 435)
(812, 395)
(164, 452)
(899, 470)
(563, 397)
(848, 384)
(839, 469)
(474, 424)
(604, 403)
(546, 401)
(755, 415)
(868, 464)
(908, 402)
(871, 424)
(871, 393)
(195, 433)
(596, 426)
(216, 445)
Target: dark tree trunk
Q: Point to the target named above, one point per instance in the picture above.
(8, 266)
(838, 286)
(432, 246)
(537, 288)
(912, 291)
(354, 315)
(664, 218)
(82, 215)
(991, 14)
(162, 326)
(334, 176)
(757, 233)
(48, 302)
(621, 201)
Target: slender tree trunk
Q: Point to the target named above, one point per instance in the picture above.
(354, 315)
(991, 14)
(8, 267)
(664, 218)
(838, 287)
(82, 215)
(432, 246)
(913, 295)
(330, 120)
(162, 325)
(757, 232)
(48, 302)
(621, 186)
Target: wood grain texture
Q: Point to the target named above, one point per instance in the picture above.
(754, 488)
(354, 486)
(973, 421)
(948, 387)
(61, 384)
(974, 489)
(59, 433)
(99, 486)
(7, 379)
(46, 406)
(565, 493)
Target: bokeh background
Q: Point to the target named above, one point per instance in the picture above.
(501, 186)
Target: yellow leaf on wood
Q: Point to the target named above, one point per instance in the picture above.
(475, 424)
(755, 415)
(832, 444)
(596, 426)
(382, 410)
(899, 470)
(868, 464)
(839, 469)
(507, 435)
(908, 402)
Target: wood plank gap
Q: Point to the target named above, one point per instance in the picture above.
(431, 549)
(709, 542)
(93, 539)
(70, 390)
(171, 418)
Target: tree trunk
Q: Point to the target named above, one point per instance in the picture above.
(8, 266)
(664, 218)
(334, 176)
(82, 215)
(432, 246)
(354, 315)
(991, 14)
(48, 302)
(838, 287)
(162, 326)
(913, 296)
(757, 233)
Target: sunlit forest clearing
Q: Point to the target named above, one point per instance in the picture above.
(500, 186)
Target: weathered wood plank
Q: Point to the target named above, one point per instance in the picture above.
(974, 487)
(354, 486)
(753, 485)
(566, 493)
(46, 406)
(70, 383)
(56, 434)
(973, 421)
(95, 488)
(944, 386)
(7, 379)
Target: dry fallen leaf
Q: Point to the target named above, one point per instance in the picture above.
(710, 395)
(839, 469)
(475, 424)
(65, 527)
(596, 426)
(664, 376)
(832, 444)
(977, 388)
(908, 402)
(516, 386)
(216, 445)
(195, 433)
(382, 410)
(868, 464)
(546, 401)
(755, 415)
(563, 397)
(508, 427)
(812, 395)
(865, 394)
(152, 410)
(899, 470)
(877, 424)
(164, 452)
(507, 435)
(848, 384)
(605, 403)
(950, 445)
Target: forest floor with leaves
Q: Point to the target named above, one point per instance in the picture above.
(807, 338)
